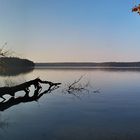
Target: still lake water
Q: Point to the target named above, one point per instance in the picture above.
(112, 114)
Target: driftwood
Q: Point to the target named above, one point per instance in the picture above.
(25, 87)
(15, 101)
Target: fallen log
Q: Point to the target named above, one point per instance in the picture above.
(26, 98)
(25, 87)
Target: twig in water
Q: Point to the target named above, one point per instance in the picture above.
(79, 87)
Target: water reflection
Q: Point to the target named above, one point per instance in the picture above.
(113, 114)
(15, 72)
(109, 69)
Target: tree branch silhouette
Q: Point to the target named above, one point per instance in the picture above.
(25, 87)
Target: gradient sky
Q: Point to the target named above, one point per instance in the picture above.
(71, 30)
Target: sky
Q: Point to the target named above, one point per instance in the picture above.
(71, 30)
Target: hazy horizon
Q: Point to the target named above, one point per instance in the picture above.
(71, 31)
(93, 62)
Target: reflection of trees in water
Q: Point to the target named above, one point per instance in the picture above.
(15, 71)
(9, 82)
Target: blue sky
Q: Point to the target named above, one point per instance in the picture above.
(71, 30)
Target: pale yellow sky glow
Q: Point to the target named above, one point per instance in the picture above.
(79, 56)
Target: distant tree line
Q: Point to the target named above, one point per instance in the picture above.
(91, 64)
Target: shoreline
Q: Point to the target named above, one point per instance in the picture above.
(94, 65)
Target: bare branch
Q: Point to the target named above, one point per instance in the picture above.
(75, 82)
(5, 52)
(79, 87)
(76, 86)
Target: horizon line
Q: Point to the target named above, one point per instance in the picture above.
(95, 62)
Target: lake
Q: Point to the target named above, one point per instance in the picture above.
(109, 108)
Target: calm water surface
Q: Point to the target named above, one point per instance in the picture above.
(112, 114)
